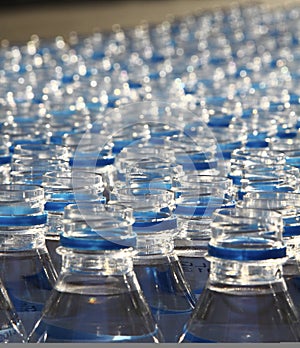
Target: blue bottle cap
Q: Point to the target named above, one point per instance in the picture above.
(244, 234)
(94, 226)
(23, 220)
(245, 249)
(98, 240)
(92, 161)
(149, 222)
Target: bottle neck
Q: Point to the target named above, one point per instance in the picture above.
(194, 228)
(251, 273)
(22, 238)
(102, 262)
(156, 243)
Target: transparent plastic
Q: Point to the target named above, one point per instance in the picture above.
(150, 173)
(11, 327)
(5, 160)
(288, 205)
(156, 264)
(22, 232)
(200, 197)
(63, 188)
(97, 297)
(245, 299)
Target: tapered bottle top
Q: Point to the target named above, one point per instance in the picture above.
(21, 205)
(201, 195)
(95, 227)
(246, 235)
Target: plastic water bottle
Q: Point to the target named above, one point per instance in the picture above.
(199, 197)
(245, 299)
(31, 161)
(63, 188)
(25, 132)
(143, 150)
(280, 181)
(200, 155)
(27, 271)
(65, 121)
(288, 204)
(92, 152)
(5, 160)
(97, 297)
(156, 264)
(242, 159)
(11, 327)
(148, 173)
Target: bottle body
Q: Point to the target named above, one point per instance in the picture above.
(240, 313)
(30, 284)
(26, 269)
(245, 298)
(164, 286)
(96, 304)
(195, 266)
(11, 327)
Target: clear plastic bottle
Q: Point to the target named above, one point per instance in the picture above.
(97, 297)
(141, 151)
(288, 204)
(25, 132)
(5, 160)
(11, 327)
(199, 197)
(92, 152)
(280, 181)
(27, 271)
(245, 299)
(242, 158)
(63, 188)
(195, 150)
(156, 264)
(67, 120)
(31, 161)
(149, 173)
